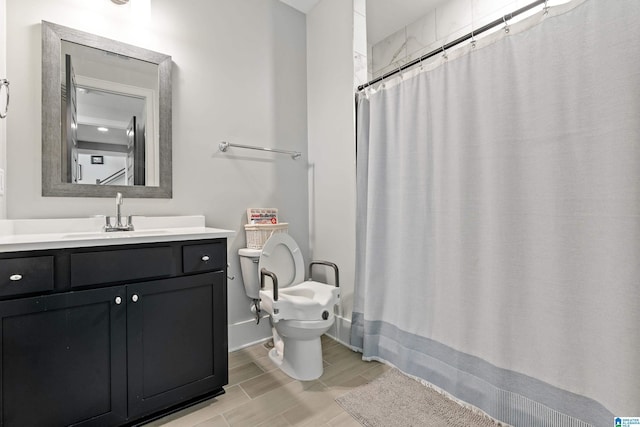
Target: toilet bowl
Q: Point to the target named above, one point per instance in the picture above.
(300, 354)
(300, 311)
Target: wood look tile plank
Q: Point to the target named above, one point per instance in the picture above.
(375, 370)
(239, 358)
(272, 403)
(337, 354)
(265, 383)
(344, 420)
(177, 419)
(338, 373)
(206, 410)
(340, 387)
(244, 372)
(260, 349)
(217, 421)
(314, 410)
(328, 342)
(277, 421)
(353, 382)
(265, 363)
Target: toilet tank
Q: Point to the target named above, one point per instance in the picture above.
(249, 266)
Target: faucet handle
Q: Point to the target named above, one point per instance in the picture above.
(130, 222)
(107, 221)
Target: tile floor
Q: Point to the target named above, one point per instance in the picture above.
(259, 394)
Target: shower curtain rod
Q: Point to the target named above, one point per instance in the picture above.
(457, 41)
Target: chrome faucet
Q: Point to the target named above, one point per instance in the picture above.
(118, 208)
(119, 226)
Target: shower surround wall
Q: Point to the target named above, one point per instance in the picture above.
(360, 53)
(450, 20)
(239, 75)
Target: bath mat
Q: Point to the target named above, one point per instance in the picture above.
(393, 399)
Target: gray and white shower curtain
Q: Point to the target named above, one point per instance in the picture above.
(498, 215)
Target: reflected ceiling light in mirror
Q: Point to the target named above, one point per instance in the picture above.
(103, 129)
(120, 1)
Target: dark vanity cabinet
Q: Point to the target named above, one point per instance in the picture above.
(64, 359)
(174, 332)
(111, 335)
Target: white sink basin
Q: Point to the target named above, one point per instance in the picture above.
(115, 234)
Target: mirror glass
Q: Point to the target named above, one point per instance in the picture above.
(106, 117)
(110, 112)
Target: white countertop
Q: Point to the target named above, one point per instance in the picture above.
(38, 234)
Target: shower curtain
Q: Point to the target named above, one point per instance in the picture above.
(498, 235)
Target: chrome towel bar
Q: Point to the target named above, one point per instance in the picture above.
(224, 146)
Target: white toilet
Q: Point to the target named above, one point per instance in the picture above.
(301, 311)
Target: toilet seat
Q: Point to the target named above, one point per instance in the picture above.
(281, 255)
(298, 300)
(308, 301)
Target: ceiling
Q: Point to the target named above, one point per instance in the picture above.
(384, 17)
(303, 6)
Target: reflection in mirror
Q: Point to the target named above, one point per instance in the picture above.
(113, 115)
(113, 102)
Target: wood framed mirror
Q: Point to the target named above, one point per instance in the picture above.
(104, 98)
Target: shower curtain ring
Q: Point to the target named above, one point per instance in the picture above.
(506, 25)
(545, 9)
(444, 53)
(473, 38)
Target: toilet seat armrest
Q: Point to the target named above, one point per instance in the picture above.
(328, 264)
(274, 279)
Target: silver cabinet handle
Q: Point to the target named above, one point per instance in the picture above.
(205, 258)
(118, 300)
(134, 298)
(5, 83)
(15, 277)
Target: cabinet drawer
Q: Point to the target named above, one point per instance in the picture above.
(205, 257)
(92, 268)
(25, 275)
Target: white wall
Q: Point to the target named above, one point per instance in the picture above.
(330, 76)
(239, 75)
(3, 75)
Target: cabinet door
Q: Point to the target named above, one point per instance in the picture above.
(64, 359)
(177, 340)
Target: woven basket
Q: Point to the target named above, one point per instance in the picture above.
(258, 234)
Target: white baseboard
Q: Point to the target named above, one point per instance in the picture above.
(246, 333)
